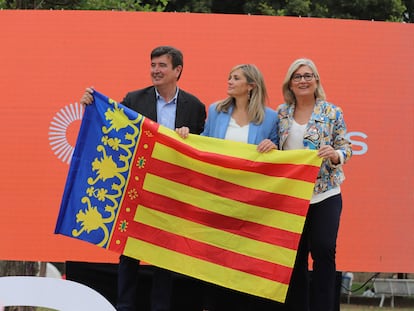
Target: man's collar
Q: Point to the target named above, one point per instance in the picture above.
(158, 95)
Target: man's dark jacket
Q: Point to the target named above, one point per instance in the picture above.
(191, 112)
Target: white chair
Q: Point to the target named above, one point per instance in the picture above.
(53, 293)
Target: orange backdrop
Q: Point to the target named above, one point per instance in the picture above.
(47, 58)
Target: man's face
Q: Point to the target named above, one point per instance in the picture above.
(162, 72)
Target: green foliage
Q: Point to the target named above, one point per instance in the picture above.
(194, 6)
(298, 7)
(124, 5)
(38, 5)
(378, 10)
(320, 9)
(260, 8)
(115, 5)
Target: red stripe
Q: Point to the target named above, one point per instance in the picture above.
(295, 171)
(233, 225)
(216, 255)
(228, 190)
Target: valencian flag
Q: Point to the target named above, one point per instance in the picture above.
(212, 209)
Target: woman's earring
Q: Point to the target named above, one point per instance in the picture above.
(249, 94)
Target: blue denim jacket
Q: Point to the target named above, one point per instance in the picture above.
(325, 127)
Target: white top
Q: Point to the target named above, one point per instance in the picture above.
(236, 132)
(295, 137)
(295, 141)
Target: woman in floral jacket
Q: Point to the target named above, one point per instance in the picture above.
(306, 120)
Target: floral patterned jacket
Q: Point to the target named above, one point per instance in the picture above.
(325, 127)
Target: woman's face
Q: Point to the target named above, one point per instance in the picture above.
(303, 82)
(237, 84)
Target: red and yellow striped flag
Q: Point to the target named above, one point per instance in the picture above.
(212, 209)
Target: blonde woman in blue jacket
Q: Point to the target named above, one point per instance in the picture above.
(307, 120)
(243, 117)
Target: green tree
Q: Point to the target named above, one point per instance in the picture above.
(125, 5)
(379, 10)
(193, 6)
(298, 7)
(118, 5)
(33, 4)
(263, 7)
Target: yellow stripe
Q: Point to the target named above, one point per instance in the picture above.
(222, 239)
(284, 186)
(206, 271)
(245, 151)
(223, 206)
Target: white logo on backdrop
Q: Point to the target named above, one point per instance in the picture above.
(58, 131)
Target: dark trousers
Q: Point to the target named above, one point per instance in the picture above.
(319, 238)
(128, 285)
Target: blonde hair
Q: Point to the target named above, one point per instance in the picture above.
(288, 94)
(258, 96)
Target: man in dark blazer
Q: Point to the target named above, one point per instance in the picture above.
(172, 107)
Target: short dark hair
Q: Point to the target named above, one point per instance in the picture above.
(175, 54)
